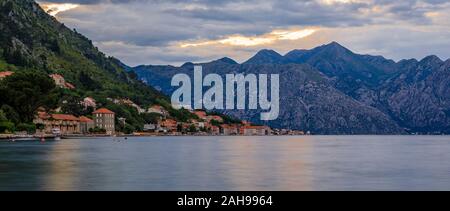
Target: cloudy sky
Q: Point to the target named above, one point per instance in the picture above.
(177, 31)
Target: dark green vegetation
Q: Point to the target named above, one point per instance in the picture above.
(24, 92)
(33, 45)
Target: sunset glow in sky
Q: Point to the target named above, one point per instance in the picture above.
(246, 41)
(53, 9)
(174, 32)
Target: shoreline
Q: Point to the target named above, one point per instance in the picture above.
(8, 137)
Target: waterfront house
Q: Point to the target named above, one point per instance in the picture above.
(255, 130)
(215, 130)
(229, 130)
(5, 74)
(86, 124)
(105, 119)
(198, 124)
(65, 123)
(169, 125)
(150, 127)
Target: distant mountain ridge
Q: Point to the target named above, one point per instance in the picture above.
(331, 90)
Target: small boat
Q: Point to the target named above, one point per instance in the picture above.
(57, 133)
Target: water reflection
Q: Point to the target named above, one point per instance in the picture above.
(229, 163)
(63, 169)
(261, 165)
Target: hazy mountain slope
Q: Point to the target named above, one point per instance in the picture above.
(419, 98)
(308, 101)
(415, 94)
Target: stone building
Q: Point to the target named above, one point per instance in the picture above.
(86, 124)
(229, 130)
(105, 119)
(255, 130)
(63, 123)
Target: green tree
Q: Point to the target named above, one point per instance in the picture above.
(72, 105)
(11, 114)
(128, 129)
(151, 118)
(26, 92)
(6, 127)
(97, 130)
(5, 124)
(88, 82)
(215, 123)
(192, 129)
(179, 128)
(3, 116)
(29, 128)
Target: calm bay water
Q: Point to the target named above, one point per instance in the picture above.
(229, 163)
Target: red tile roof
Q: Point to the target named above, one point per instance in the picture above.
(5, 74)
(229, 126)
(200, 114)
(56, 76)
(256, 127)
(43, 115)
(103, 111)
(66, 117)
(217, 118)
(85, 119)
(70, 86)
(169, 123)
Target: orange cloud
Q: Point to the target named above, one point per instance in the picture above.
(246, 41)
(54, 8)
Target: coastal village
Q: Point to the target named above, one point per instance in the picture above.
(103, 122)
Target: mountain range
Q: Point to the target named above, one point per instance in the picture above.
(332, 90)
(325, 90)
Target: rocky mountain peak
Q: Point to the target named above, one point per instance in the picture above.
(433, 59)
(430, 63)
(227, 60)
(335, 48)
(266, 56)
